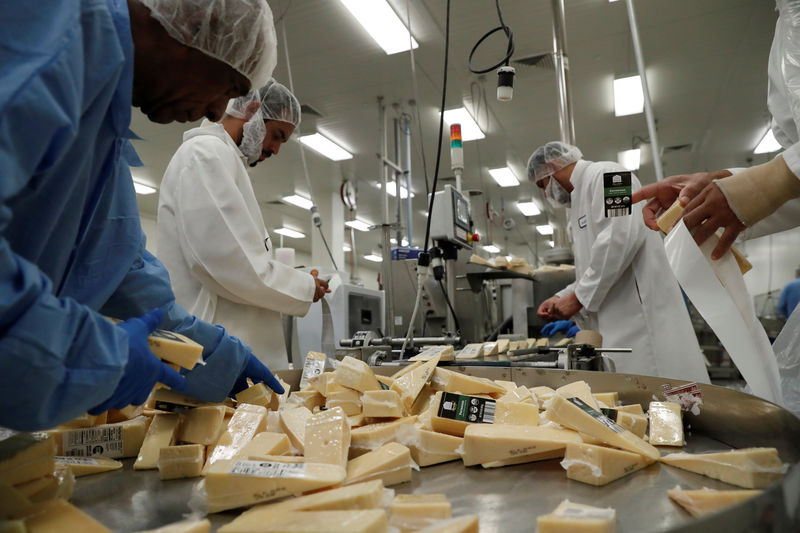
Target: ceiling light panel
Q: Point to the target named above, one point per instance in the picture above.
(470, 130)
(382, 24)
(504, 177)
(324, 146)
(628, 96)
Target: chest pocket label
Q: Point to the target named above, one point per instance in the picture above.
(582, 222)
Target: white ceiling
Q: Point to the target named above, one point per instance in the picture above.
(706, 63)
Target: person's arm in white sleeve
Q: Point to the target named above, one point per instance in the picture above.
(567, 290)
(221, 242)
(612, 252)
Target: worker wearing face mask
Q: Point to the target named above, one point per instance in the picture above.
(624, 287)
(211, 232)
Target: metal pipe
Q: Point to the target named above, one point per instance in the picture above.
(451, 293)
(648, 108)
(458, 179)
(381, 159)
(561, 61)
(407, 172)
(386, 253)
(392, 165)
(397, 186)
(398, 341)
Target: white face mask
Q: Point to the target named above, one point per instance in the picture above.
(253, 135)
(556, 194)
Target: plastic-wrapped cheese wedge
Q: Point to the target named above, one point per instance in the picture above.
(542, 394)
(202, 425)
(462, 524)
(431, 448)
(412, 512)
(257, 394)
(184, 526)
(363, 521)
(449, 381)
(517, 413)
(445, 353)
(310, 399)
(366, 495)
(381, 404)
(263, 444)
(293, 422)
(177, 462)
(327, 438)
(636, 424)
(160, 434)
(123, 439)
(25, 456)
(470, 351)
(575, 414)
(232, 483)
(707, 501)
(455, 412)
(634, 408)
(13, 503)
(750, 468)
(373, 436)
(666, 424)
(522, 459)
(598, 465)
(356, 374)
(608, 398)
(391, 463)
(84, 466)
(410, 384)
(173, 347)
(484, 443)
(246, 423)
(59, 515)
(579, 389)
(577, 518)
(348, 400)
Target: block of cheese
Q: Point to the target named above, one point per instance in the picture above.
(608, 398)
(293, 422)
(385, 381)
(431, 448)
(445, 353)
(177, 462)
(175, 348)
(264, 444)
(457, 411)
(636, 424)
(750, 468)
(666, 424)
(462, 524)
(577, 518)
(484, 443)
(542, 394)
(634, 408)
(507, 385)
(706, 501)
(671, 216)
(25, 456)
(516, 413)
(519, 394)
(579, 389)
(13, 502)
(310, 399)
(86, 421)
(184, 526)
(410, 384)
(39, 489)
(575, 414)
(356, 421)
(257, 394)
(470, 351)
(366, 495)
(160, 434)
(544, 342)
(84, 466)
(381, 404)
(327, 438)
(410, 367)
(313, 365)
(502, 345)
(57, 516)
(349, 400)
(373, 436)
(390, 463)
(122, 439)
(522, 459)
(232, 483)
(412, 512)
(599, 465)
(279, 399)
(564, 342)
(66, 481)
(357, 521)
(449, 381)
(490, 348)
(126, 413)
(246, 423)
(202, 425)
(356, 374)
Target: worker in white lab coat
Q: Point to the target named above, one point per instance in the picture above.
(211, 234)
(624, 287)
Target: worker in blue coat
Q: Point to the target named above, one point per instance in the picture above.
(71, 246)
(790, 296)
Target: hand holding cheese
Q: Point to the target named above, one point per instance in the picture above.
(143, 369)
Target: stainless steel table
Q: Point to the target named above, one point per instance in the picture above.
(509, 499)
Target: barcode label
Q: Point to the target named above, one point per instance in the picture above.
(488, 412)
(597, 415)
(618, 212)
(312, 367)
(269, 469)
(76, 460)
(88, 442)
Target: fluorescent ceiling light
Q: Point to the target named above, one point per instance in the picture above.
(550, 244)
(768, 144)
(628, 96)
(529, 209)
(630, 159)
(322, 145)
(545, 229)
(360, 225)
(143, 189)
(491, 248)
(391, 187)
(504, 177)
(374, 258)
(382, 23)
(346, 248)
(469, 128)
(292, 234)
(299, 201)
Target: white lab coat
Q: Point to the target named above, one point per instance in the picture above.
(626, 286)
(212, 239)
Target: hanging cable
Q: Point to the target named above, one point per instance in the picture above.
(316, 218)
(509, 50)
(415, 86)
(452, 311)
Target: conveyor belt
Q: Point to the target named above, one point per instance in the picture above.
(509, 499)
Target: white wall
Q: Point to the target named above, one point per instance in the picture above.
(776, 256)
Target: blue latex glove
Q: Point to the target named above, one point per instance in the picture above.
(572, 331)
(257, 372)
(143, 369)
(554, 327)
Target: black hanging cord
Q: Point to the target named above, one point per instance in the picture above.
(509, 50)
(453, 311)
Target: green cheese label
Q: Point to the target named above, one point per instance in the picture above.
(597, 415)
(466, 408)
(617, 192)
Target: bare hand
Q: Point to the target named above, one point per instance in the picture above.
(546, 310)
(664, 193)
(567, 306)
(708, 212)
(321, 287)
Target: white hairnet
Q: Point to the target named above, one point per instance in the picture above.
(276, 103)
(240, 33)
(551, 158)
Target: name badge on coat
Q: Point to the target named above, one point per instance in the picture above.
(583, 222)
